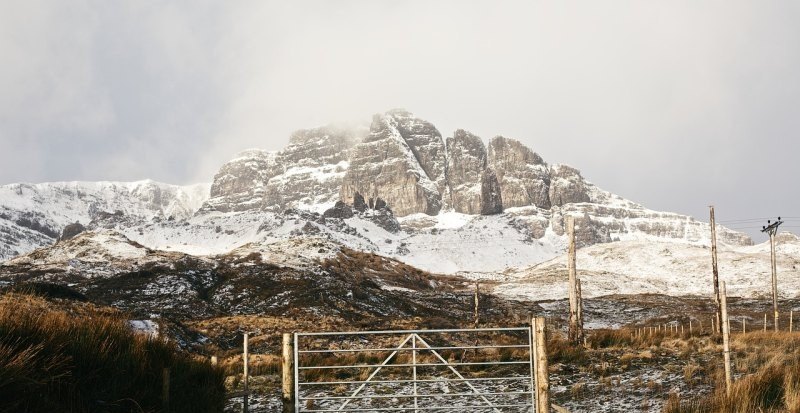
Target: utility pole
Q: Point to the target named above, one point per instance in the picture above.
(772, 229)
(718, 315)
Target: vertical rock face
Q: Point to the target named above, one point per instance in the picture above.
(523, 175)
(309, 171)
(491, 194)
(385, 165)
(314, 164)
(465, 165)
(241, 183)
(426, 144)
(402, 160)
(567, 186)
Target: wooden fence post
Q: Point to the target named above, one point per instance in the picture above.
(690, 326)
(245, 361)
(791, 315)
(726, 339)
(744, 325)
(765, 322)
(287, 368)
(165, 388)
(540, 356)
(575, 329)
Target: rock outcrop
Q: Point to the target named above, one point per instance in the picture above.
(491, 193)
(386, 166)
(307, 172)
(466, 163)
(567, 186)
(241, 183)
(71, 230)
(524, 176)
(403, 160)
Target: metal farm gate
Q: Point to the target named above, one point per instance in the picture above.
(450, 370)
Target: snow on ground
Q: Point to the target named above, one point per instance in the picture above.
(99, 247)
(146, 327)
(637, 267)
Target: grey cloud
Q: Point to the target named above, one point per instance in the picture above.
(672, 104)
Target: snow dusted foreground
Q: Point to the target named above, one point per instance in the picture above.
(638, 267)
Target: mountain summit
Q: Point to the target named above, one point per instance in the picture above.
(399, 189)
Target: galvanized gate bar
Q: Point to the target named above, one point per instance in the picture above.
(328, 383)
(320, 400)
(373, 374)
(458, 374)
(358, 350)
(398, 332)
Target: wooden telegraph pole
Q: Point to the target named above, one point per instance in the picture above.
(575, 322)
(772, 229)
(715, 327)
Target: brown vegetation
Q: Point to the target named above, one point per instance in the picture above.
(83, 358)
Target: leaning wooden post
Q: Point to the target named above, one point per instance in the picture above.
(540, 357)
(245, 361)
(580, 309)
(477, 297)
(714, 269)
(287, 369)
(726, 339)
(165, 388)
(575, 334)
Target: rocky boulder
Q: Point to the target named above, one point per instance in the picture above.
(339, 210)
(71, 230)
(359, 204)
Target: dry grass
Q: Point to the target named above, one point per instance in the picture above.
(86, 359)
(770, 364)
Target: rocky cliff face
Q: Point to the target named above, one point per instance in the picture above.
(567, 186)
(466, 164)
(524, 176)
(387, 166)
(403, 160)
(307, 172)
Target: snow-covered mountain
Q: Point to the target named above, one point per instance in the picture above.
(34, 215)
(398, 189)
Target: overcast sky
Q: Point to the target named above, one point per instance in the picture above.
(675, 105)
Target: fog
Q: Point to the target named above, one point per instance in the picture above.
(676, 105)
